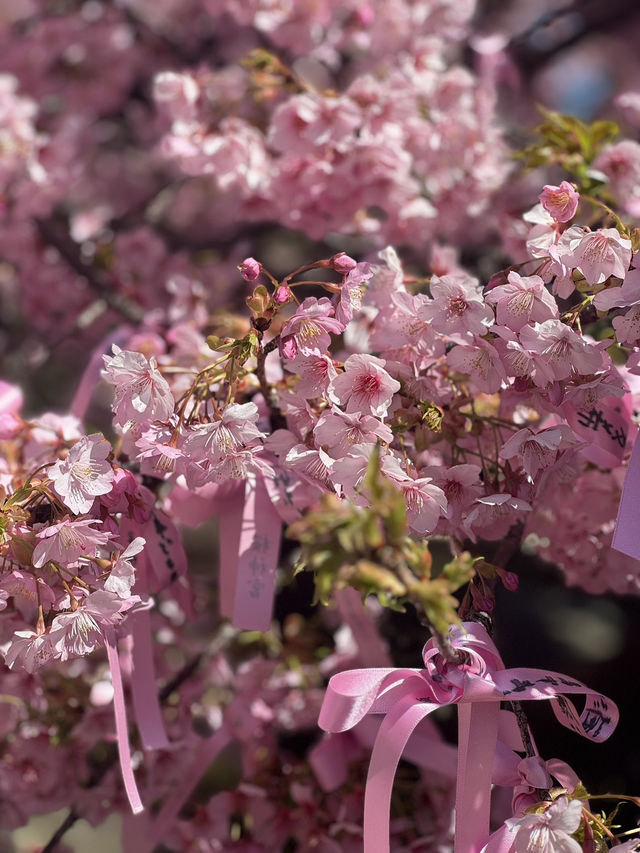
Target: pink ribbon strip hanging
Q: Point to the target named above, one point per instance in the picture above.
(250, 534)
(625, 536)
(144, 689)
(122, 731)
(477, 686)
(141, 667)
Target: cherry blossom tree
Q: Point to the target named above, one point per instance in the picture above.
(327, 367)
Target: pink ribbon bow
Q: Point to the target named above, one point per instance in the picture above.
(477, 686)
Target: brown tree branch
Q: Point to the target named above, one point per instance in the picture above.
(97, 280)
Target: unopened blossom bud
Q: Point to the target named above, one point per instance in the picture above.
(250, 269)
(561, 202)
(282, 295)
(342, 263)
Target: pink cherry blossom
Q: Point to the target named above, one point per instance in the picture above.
(425, 501)
(523, 300)
(67, 541)
(537, 451)
(365, 386)
(157, 451)
(482, 364)
(309, 331)
(84, 474)
(620, 163)
(339, 431)
(457, 305)
(351, 291)
(628, 326)
(29, 650)
(314, 372)
(492, 516)
(79, 632)
(10, 405)
(236, 428)
(600, 254)
(562, 350)
(620, 297)
(548, 832)
(560, 201)
(122, 575)
(142, 393)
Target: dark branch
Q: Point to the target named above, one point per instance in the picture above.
(98, 281)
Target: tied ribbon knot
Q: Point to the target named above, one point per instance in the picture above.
(477, 685)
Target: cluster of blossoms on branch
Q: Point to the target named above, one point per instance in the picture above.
(479, 406)
(412, 424)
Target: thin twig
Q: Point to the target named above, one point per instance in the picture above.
(275, 415)
(61, 831)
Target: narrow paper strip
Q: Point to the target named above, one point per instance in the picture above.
(122, 732)
(606, 426)
(229, 529)
(258, 555)
(626, 536)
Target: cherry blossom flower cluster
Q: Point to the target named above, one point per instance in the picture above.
(482, 400)
(395, 151)
(67, 572)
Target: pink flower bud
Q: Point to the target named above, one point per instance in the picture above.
(250, 269)
(342, 263)
(282, 295)
(561, 202)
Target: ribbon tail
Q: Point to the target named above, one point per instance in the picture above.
(396, 729)
(625, 535)
(229, 530)
(144, 690)
(143, 685)
(122, 732)
(477, 740)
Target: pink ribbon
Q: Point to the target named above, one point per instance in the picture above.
(250, 533)
(144, 689)
(625, 536)
(477, 686)
(140, 663)
(141, 834)
(122, 730)
(606, 425)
